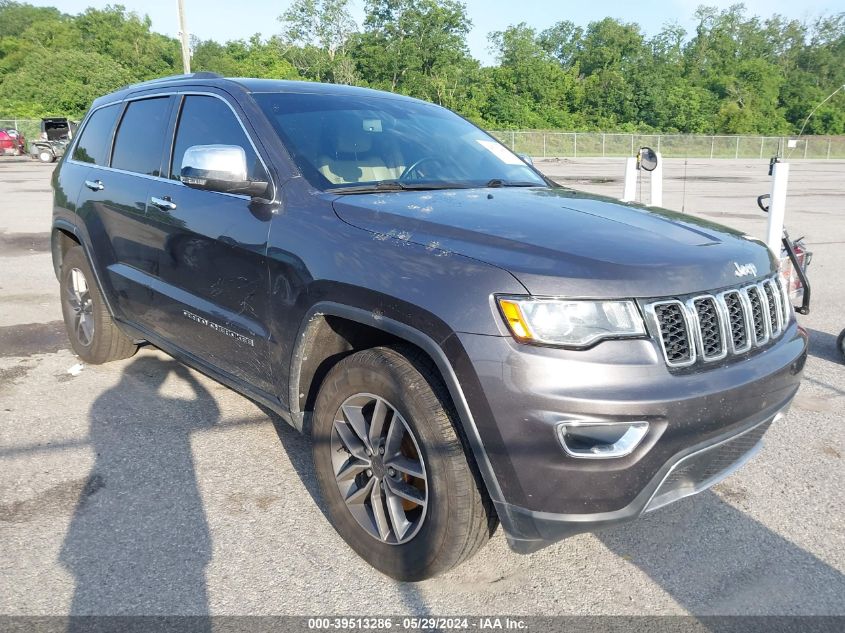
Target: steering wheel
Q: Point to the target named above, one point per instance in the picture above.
(416, 164)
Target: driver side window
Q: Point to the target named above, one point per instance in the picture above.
(208, 120)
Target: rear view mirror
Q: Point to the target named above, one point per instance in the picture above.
(219, 168)
(526, 158)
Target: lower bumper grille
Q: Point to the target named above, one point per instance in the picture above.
(709, 466)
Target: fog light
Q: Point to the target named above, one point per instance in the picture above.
(600, 440)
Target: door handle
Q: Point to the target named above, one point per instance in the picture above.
(164, 203)
(95, 185)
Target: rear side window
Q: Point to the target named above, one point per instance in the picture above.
(209, 121)
(93, 145)
(139, 141)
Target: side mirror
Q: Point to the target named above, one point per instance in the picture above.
(219, 168)
(647, 159)
(526, 158)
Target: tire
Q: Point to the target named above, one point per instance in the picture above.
(456, 518)
(840, 344)
(93, 334)
(46, 156)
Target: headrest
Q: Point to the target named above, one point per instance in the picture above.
(351, 139)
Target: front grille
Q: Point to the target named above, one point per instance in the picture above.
(708, 327)
(674, 333)
(738, 321)
(757, 313)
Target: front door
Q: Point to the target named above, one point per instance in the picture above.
(212, 286)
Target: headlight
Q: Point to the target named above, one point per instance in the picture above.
(575, 323)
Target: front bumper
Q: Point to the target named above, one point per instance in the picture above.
(702, 426)
(692, 471)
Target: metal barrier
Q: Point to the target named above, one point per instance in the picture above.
(543, 144)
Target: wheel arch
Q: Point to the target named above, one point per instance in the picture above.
(324, 339)
(64, 236)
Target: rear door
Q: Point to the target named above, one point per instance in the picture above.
(113, 203)
(212, 276)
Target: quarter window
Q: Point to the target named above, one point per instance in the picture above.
(93, 144)
(139, 142)
(209, 121)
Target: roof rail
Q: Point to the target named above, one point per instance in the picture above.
(198, 75)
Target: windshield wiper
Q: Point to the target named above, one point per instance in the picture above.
(381, 185)
(498, 182)
(395, 185)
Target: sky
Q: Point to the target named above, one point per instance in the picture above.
(223, 20)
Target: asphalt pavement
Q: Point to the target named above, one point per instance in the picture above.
(143, 487)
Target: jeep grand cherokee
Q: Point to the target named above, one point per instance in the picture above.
(466, 342)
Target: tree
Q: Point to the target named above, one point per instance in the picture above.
(416, 47)
(734, 73)
(240, 58)
(315, 38)
(60, 83)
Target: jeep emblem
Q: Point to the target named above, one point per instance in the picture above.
(742, 270)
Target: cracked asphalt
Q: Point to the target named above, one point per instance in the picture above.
(143, 487)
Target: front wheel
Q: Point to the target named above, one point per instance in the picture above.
(840, 344)
(392, 470)
(93, 334)
(46, 156)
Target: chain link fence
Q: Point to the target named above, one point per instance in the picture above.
(541, 144)
(30, 128)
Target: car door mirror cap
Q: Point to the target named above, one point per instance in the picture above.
(219, 168)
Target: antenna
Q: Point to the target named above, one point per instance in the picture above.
(812, 112)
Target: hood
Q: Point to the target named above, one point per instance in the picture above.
(562, 242)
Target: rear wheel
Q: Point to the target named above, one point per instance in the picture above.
(46, 156)
(93, 334)
(840, 343)
(397, 484)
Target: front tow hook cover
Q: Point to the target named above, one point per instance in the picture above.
(588, 439)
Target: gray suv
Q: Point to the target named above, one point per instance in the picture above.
(466, 342)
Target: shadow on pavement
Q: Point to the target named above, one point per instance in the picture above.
(714, 559)
(298, 449)
(823, 345)
(138, 542)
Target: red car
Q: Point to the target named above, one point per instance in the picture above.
(12, 142)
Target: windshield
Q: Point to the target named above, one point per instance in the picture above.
(348, 143)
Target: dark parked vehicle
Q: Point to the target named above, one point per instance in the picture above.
(466, 342)
(56, 134)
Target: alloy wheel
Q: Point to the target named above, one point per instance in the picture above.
(379, 468)
(79, 299)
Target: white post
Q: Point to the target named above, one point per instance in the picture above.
(630, 190)
(183, 35)
(657, 183)
(777, 207)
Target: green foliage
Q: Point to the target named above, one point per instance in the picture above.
(239, 58)
(735, 74)
(60, 82)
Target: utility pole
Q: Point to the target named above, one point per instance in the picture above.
(183, 34)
